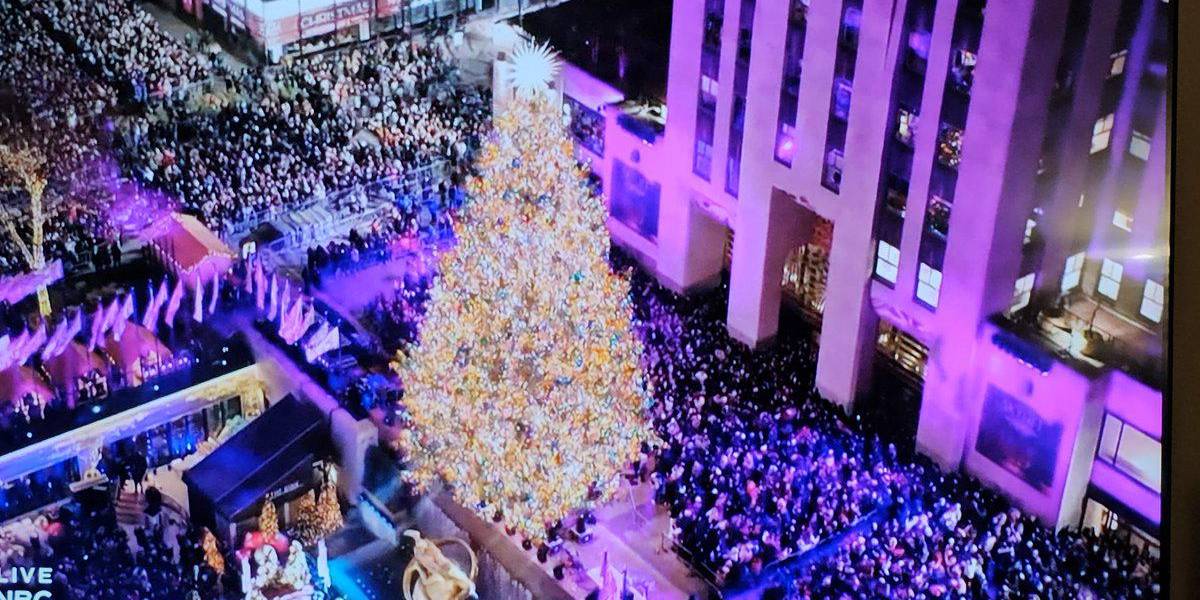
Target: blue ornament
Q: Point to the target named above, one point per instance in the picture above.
(516, 162)
(577, 276)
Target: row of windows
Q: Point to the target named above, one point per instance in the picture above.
(1109, 285)
(1139, 143)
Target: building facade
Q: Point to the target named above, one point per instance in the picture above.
(966, 198)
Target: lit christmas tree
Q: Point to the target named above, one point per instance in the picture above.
(212, 555)
(268, 521)
(329, 511)
(308, 522)
(525, 390)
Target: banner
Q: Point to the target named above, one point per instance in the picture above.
(294, 27)
(16, 288)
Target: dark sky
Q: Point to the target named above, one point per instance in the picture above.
(592, 33)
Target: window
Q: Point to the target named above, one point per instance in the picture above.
(929, 285)
(785, 146)
(887, 261)
(1152, 301)
(1139, 145)
(1110, 278)
(709, 88)
(1072, 271)
(1022, 292)
(832, 176)
(1122, 220)
(1118, 63)
(1131, 451)
(906, 126)
(1102, 133)
(1030, 225)
(703, 164)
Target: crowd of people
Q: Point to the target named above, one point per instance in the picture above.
(756, 467)
(106, 94)
(91, 556)
(277, 136)
(56, 110)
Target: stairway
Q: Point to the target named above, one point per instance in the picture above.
(130, 508)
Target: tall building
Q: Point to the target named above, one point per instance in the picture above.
(967, 199)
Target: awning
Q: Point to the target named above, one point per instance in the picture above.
(278, 446)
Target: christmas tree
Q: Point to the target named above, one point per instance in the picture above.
(329, 511)
(268, 521)
(308, 523)
(525, 390)
(212, 555)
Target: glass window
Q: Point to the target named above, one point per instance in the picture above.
(887, 261)
(708, 89)
(1118, 63)
(929, 285)
(1140, 456)
(1022, 292)
(1139, 145)
(1132, 451)
(1110, 278)
(1072, 271)
(1108, 440)
(1030, 225)
(1152, 301)
(1122, 220)
(1102, 133)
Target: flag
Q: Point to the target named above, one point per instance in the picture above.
(154, 306)
(249, 282)
(63, 335)
(110, 315)
(163, 294)
(173, 304)
(274, 306)
(94, 331)
(608, 584)
(31, 344)
(216, 291)
(198, 302)
(5, 351)
(324, 339)
(260, 287)
(123, 316)
(290, 323)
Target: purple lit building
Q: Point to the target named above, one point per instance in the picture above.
(968, 202)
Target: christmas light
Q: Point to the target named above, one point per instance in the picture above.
(525, 389)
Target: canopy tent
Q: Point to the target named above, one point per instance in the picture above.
(78, 369)
(137, 352)
(190, 250)
(18, 383)
(272, 455)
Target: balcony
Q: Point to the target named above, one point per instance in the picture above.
(1093, 336)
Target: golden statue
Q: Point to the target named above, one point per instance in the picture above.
(432, 576)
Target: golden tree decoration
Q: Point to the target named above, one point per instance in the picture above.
(329, 511)
(525, 388)
(28, 167)
(212, 555)
(308, 521)
(268, 521)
